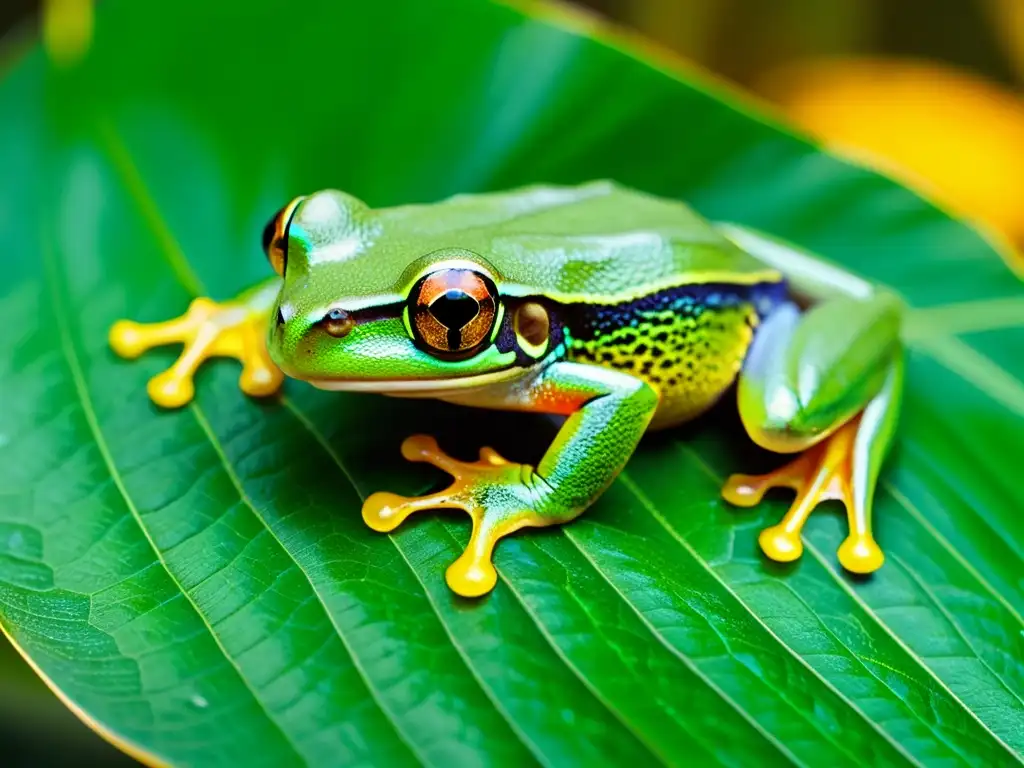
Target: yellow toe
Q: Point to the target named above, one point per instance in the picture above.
(470, 576)
(169, 390)
(127, 340)
(741, 491)
(860, 554)
(420, 448)
(781, 545)
(260, 382)
(383, 511)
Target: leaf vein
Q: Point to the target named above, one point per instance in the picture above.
(868, 611)
(916, 513)
(646, 503)
(686, 661)
(930, 593)
(321, 440)
(81, 389)
(357, 664)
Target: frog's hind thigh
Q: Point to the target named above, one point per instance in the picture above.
(842, 435)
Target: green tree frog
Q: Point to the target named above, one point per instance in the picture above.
(616, 309)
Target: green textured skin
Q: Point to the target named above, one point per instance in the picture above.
(598, 242)
(610, 411)
(565, 242)
(597, 440)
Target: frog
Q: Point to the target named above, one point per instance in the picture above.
(613, 310)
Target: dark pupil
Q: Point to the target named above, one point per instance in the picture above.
(454, 309)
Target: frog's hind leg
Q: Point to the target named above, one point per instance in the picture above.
(235, 329)
(826, 384)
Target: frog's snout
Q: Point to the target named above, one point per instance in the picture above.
(301, 343)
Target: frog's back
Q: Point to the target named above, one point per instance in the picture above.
(597, 241)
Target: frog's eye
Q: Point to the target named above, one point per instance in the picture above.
(275, 236)
(452, 312)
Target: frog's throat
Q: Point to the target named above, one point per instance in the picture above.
(435, 388)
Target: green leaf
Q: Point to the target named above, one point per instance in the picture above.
(200, 585)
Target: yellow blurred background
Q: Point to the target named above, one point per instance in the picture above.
(929, 91)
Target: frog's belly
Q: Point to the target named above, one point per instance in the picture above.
(689, 348)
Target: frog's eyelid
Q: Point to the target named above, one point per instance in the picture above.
(276, 234)
(287, 310)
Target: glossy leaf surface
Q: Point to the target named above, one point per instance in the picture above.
(200, 585)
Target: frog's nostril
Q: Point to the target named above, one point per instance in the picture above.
(280, 317)
(338, 323)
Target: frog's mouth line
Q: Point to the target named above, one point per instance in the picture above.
(418, 387)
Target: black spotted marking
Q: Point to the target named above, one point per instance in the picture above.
(688, 342)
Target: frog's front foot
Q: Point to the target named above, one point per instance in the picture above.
(822, 472)
(235, 329)
(501, 497)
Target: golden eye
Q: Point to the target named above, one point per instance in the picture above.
(275, 236)
(452, 312)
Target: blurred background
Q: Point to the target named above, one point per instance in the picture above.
(931, 90)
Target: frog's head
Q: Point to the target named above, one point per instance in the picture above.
(365, 306)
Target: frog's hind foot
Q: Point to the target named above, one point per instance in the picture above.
(501, 497)
(235, 329)
(822, 472)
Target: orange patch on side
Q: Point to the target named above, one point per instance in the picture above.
(548, 398)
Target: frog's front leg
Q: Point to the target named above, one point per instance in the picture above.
(236, 328)
(608, 413)
(825, 383)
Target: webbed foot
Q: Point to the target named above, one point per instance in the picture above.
(235, 329)
(501, 497)
(820, 473)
